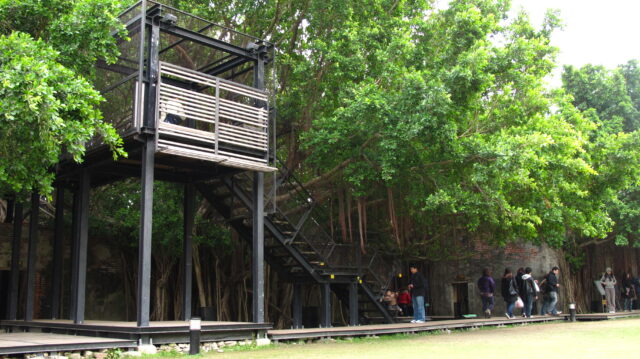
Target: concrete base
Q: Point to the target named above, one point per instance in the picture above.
(148, 349)
(263, 341)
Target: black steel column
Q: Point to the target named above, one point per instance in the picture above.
(297, 306)
(12, 300)
(353, 303)
(146, 218)
(325, 305)
(258, 216)
(187, 250)
(81, 237)
(75, 245)
(32, 256)
(146, 179)
(258, 247)
(58, 252)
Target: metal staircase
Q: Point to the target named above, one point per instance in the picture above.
(297, 245)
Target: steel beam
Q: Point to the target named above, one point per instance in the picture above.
(353, 303)
(153, 75)
(207, 41)
(325, 305)
(146, 218)
(187, 250)
(75, 244)
(32, 256)
(146, 179)
(258, 220)
(81, 236)
(12, 300)
(258, 247)
(297, 306)
(58, 253)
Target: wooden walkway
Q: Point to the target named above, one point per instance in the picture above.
(362, 330)
(607, 316)
(164, 332)
(20, 343)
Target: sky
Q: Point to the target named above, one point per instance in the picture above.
(599, 32)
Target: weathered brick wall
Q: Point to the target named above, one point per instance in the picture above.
(443, 274)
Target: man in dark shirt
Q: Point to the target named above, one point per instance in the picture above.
(551, 293)
(418, 286)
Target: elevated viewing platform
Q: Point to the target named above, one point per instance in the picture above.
(200, 92)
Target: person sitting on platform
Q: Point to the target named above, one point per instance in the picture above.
(172, 112)
(404, 302)
(390, 300)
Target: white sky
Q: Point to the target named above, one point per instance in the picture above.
(599, 32)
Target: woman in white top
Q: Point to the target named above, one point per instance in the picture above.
(609, 283)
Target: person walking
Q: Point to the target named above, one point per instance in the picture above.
(528, 292)
(509, 292)
(487, 287)
(551, 286)
(628, 291)
(418, 287)
(519, 274)
(609, 282)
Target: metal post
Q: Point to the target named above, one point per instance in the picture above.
(187, 251)
(325, 312)
(258, 248)
(31, 256)
(58, 248)
(12, 302)
(147, 176)
(153, 75)
(572, 312)
(258, 220)
(75, 245)
(82, 240)
(297, 306)
(353, 304)
(146, 218)
(195, 327)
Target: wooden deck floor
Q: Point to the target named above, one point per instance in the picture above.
(607, 316)
(19, 343)
(131, 327)
(376, 329)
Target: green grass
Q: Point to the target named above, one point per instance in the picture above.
(609, 339)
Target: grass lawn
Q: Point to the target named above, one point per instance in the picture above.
(608, 339)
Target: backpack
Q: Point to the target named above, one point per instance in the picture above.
(529, 287)
(543, 285)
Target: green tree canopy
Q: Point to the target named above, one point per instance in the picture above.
(611, 98)
(47, 102)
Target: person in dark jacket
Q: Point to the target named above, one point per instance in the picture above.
(628, 291)
(418, 287)
(487, 287)
(519, 274)
(528, 292)
(551, 293)
(509, 292)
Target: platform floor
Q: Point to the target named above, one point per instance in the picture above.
(20, 343)
(376, 329)
(607, 316)
(164, 332)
